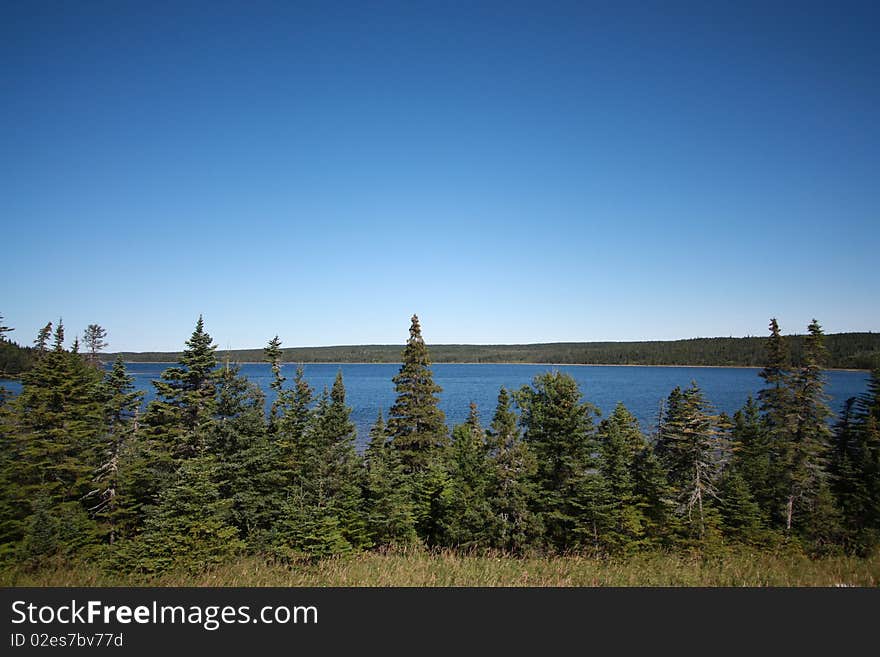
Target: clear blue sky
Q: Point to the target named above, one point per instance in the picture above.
(512, 172)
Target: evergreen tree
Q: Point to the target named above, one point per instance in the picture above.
(325, 508)
(387, 495)
(121, 403)
(469, 519)
(742, 516)
(42, 341)
(620, 442)
(95, 339)
(293, 419)
(752, 457)
(855, 469)
(807, 441)
(692, 452)
(56, 440)
(273, 355)
(416, 424)
(190, 528)
(248, 463)
(181, 416)
(512, 491)
(558, 428)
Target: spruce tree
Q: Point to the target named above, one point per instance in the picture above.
(42, 341)
(121, 403)
(558, 428)
(181, 416)
(620, 442)
(190, 528)
(752, 456)
(692, 456)
(512, 491)
(324, 514)
(58, 428)
(272, 355)
(387, 495)
(95, 340)
(807, 440)
(741, 514)
(248, 464)
(469, 519)
(416, 424)
(855, 469)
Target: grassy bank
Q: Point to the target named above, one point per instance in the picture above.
(448, 569)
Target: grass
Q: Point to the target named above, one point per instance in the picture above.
(419, 568)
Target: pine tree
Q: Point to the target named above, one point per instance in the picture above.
(42, 341)
(95, 339)
(4, 330)
(742, 516)
(855, 469)
(512, 492)
(57, 433)
(558, 428)
(416, 424)
(620, 442)
(272, 355)
(325, 508)
(752, 457)
(387, 495)
(293, 419)
(181, 416)
(121, 403)
(468, 522)
(190, 528)
(248, 464)
(692, 456)
(807, 441)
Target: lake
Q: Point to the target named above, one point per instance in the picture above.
(369, 386)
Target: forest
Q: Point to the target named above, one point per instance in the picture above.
(205, 476)
(844, 351)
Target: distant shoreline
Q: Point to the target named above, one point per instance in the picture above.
(515, 362)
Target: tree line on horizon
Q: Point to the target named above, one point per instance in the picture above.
(207, 472)
(844, 351)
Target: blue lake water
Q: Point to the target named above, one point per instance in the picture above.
(369, 386)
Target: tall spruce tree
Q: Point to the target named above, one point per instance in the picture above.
(272, 354)
(325, 505)
(416, 424)
(512, 492)
(855, 468)
(469, 518)
(248, 465)
(121, 404)
(558, 428)
(58, 431)
(620, 443)
(752, 457)
(692, 455)
(807, 442)
(181, 416)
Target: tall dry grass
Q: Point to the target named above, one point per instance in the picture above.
(421, 568)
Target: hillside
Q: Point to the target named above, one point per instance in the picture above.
(845, 350)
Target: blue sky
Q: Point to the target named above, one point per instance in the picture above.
(512, 172)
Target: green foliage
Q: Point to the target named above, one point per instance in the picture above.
(469, 521)
(558, 428)
(388, 498)
(692, 450)
(190, 528)
(513, 492)
(846, 350)
(180, 418)
(416, 424)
